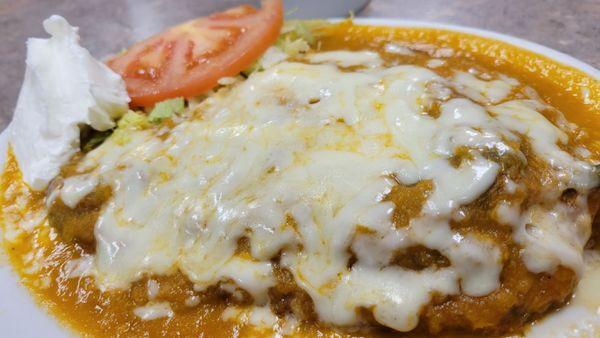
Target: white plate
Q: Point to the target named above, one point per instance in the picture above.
(21, 317)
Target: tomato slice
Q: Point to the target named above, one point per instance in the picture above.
(190, 58)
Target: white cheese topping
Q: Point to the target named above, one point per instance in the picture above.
(64, 87)
(522, 116)
(77, 187)
(262, 317)
(347, 58)
(152, 311)
(571, 322)
(153, 288)
(482, 91)
(435, 63)
(295, 159)
(394, 48)
(257, 316)
(272, 56)
(554, 236)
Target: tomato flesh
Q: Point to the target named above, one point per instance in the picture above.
(189, 59)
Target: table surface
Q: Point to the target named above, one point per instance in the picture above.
(570, 26)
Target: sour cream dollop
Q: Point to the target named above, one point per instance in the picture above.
(64, 87)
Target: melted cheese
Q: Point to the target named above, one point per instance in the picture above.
(77, 187)
(554, 236)
(153, 311)
(522, 116)
(296, 158)
(347, 59)
(482, 91)
(571, 322)
(394, 48)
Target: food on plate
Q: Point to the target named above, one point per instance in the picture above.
(331, 178)
(190, 58)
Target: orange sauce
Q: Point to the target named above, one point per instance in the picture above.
(82, 307)
(561, 86)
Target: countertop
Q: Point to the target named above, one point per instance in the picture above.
(107, 26)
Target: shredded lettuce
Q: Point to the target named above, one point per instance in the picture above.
(306, 30)
(93, 139)
(294, 47)
(166, 109)
(297, 37)
(130, 121)
(133, 120)
(138, 120)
